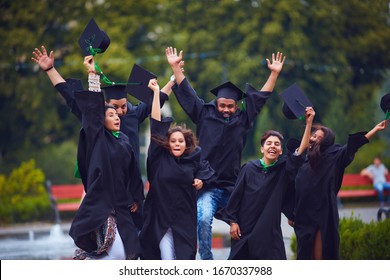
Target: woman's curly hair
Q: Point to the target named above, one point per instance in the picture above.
(189, 137)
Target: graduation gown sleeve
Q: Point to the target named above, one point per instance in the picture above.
(66, 92)
(293, 163)
(189, 100)
(254, 101)
(231, 212)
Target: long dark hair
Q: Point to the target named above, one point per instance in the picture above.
(316, 150)
(189, 137)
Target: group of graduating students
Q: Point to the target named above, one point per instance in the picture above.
(195, 177)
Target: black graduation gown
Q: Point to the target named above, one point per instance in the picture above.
(110, 175)
(130, 122)
(256, 204)
(222, 141)
(171, 200)
(67, 93)
(316, 198)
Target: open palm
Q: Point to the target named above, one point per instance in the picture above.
(172, 57)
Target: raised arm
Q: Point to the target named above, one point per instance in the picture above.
(156, 110)
(167, 89)
(93, 78)
(379, 127)
(309, 114)
(275, 67)
(174, 60)
(46, 63)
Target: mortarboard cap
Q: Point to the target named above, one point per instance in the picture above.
(228, 90)
(94, 37)
(295, 102)
(75, 84)
(115, 92)
(138, 83)
(385, 105)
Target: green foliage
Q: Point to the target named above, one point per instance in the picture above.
(337, 51)
(350, 237)
(366, 154)
(58, 162)
(23, 196)
(360, 241)
(294, 245)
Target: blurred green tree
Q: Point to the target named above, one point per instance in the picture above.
(336, 52)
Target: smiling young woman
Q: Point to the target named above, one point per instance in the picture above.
(175, 173)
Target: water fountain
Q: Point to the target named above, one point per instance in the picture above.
(42, 242)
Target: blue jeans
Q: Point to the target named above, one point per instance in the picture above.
(379, 188)
(209, 201)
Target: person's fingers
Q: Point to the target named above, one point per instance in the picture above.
(277, 56)
(37, 52)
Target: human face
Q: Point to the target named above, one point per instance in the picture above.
(227, 107)
(377, 161)
(177, 144)
(272, 149)
(120, 105)
(112, 121)
(316, 137)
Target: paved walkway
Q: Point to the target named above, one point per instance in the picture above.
(23, 241)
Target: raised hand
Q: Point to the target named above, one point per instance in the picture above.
(277, 62)
(181, 65)
(379, 127)
(89, 63)
(309, 113)
(382, 125)
(172, 57)
(45, 62)
(153, 85)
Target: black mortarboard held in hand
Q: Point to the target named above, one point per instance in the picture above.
(385, 105)
(228, 90)
(137, 84)
(93, 39)
(295, 102)
(115, 92)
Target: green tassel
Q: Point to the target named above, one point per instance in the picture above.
(387, 116)
(107, 81)
(93, 51)
(104, 77)
(243, 105)
(242, 102)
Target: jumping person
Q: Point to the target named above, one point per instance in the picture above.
(317, 183)
(103, 227)
(176, 173)
(222, 129)
(264, 189)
